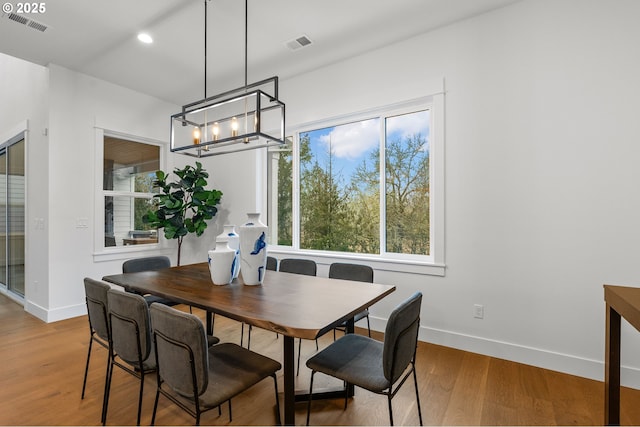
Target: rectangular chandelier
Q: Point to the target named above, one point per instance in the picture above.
(241, 119)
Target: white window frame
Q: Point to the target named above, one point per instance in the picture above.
(432, 264)
(102, 253)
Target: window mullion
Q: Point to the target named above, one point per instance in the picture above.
(383, 186)
(295, 188)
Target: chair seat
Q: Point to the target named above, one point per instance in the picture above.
(212, 340)
(353, 358)
(232, 369)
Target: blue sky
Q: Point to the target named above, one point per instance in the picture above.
(352, 143)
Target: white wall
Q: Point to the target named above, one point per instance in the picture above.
(541, 174)
(79, 104)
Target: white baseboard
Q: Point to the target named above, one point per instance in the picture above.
(56, 314)
(566, 363)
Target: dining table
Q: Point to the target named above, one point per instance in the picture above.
(293, 305)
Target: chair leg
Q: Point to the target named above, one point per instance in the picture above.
(299, 351)
(230, 417)
(155, 406)
(390, 409)
(368, 326)
(86, 369)
(275, 382)
(107, 390)
(415, 382)
(346, 395)
(310, 396)
(140, 396)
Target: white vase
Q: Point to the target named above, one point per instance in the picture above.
(253, 250)
(232, 239)
(221, 264)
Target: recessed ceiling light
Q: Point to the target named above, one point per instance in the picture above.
(145, 38)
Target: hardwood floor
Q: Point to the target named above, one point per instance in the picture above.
(42, 366)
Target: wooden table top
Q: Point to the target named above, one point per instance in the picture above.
(626, 301)
(290, 304)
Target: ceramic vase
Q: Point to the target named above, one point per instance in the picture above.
(253, 250)
(221, 264)
(230, 236)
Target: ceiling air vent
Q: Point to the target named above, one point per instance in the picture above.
(26, 21)
(298, 43)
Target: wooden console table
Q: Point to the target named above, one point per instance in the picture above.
(621, 302)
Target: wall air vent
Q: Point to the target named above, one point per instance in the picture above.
(26, 21)
(297, 43)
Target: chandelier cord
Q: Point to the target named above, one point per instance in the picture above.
(205, 48)
(246, 40)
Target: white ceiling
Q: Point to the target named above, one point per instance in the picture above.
(98, 37)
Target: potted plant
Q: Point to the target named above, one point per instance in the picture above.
(183, 206)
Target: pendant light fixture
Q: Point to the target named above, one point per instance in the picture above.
(245, 118)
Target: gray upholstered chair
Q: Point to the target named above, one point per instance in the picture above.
(151, 263)
(131, 342)
(357, 272)
(298, 266)
(371, 364)
(98, 314)
(272, 263)
(197, 378)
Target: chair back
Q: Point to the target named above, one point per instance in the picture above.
(130, 327)
(97, 306)
(272, 263)
(346, 271)
(401, 337)
(298, 266)
(181, 348)
(137, 265)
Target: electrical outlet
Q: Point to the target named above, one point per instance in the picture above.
(478, 311)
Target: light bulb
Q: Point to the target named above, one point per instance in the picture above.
(196, 135)
(216, 131)
(234, 127)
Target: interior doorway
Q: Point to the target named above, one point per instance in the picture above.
(12, 215)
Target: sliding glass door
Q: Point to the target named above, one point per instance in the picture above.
(12, 215)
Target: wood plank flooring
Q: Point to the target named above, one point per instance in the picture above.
(42, 366)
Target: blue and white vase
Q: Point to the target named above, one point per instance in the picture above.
(232, 239)
(253, 250)
(221, 264)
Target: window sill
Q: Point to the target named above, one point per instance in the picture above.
(125, 252)
(376, 262)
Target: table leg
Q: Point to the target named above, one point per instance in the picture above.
(210, 322)
(612, 368)
(351, 329)
(289, 381)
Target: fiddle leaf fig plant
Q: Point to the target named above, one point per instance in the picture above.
(183, 206)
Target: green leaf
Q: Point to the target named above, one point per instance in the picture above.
(183, 205)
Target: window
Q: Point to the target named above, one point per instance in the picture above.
(127, 185)
(360, 186)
